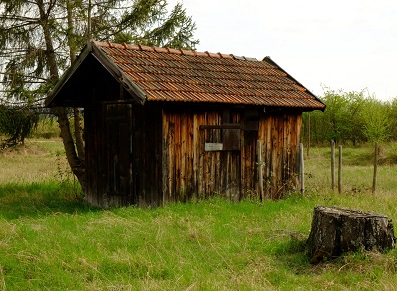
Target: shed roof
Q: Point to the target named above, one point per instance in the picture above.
(173, 75)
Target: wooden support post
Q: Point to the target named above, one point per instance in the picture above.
(308, 135)
(340, 170)
(332, 165)
(302, 168)
(260, 170)
(375, 168)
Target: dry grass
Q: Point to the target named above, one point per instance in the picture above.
(357, 170)
(39, 160)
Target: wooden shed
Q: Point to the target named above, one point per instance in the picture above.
(170, 125)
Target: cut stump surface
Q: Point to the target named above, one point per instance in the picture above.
(338, 230)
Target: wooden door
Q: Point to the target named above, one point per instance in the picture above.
(119, 151)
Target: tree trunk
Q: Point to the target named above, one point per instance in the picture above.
(78, 133)
(78, 128)
(338, 230)
(75, 163)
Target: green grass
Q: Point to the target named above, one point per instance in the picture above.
(51, 240)
(208, 245)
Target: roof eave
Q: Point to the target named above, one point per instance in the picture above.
(273, 63)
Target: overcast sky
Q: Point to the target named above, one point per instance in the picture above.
(341, 44)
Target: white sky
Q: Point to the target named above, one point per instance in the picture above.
(341, 44)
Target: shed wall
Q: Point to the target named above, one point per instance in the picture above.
(280, 134)
(150, 155)
(191, 170)
(123, 154)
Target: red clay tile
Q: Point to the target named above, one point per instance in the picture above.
(188, 76)
(131, 46)
(174, 51)
(146, 48)
(188, 53)
(160, 50)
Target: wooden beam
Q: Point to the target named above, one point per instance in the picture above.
(223, 126)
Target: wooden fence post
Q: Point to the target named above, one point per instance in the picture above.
(308, 136)
(340, 170)
(260, 170)
(375, 169)
(332, 165)
(302, 168)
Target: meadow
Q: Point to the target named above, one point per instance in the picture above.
(51, 240)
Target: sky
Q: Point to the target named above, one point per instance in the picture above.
(348, 45)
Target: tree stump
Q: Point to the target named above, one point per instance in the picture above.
(339, 230)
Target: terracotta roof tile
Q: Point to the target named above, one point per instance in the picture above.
(167, 74)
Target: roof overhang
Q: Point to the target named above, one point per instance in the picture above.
(273, 63)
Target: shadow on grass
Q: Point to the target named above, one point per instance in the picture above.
(41, 199)
(293, 254)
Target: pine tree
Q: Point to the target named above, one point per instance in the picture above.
(39, 39)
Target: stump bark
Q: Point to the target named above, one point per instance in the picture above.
(338, 230)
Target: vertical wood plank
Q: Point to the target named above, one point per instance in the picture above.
(183, 156)
(165, 158)
(195, 155)
(201, 158)
(269, 160)
(260, 170)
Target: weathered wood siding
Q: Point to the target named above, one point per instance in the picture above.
(190, 171)
(146, 155)
(108, 151)
(123, 154)
(280, 134)
(154, 154)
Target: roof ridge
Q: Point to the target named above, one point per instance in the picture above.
(183, 52)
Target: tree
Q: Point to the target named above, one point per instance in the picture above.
(16, 122)
(342, 120)
(39, 39)
(393, 118)
(376, 118)
(354, 117)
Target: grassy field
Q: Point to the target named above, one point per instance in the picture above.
(51, 240)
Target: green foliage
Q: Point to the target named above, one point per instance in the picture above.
(31, 32)
(16, 123)
(47, 128)
(150, 23)
(376, 118)
(352, 117)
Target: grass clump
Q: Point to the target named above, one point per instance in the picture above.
(38, 199)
